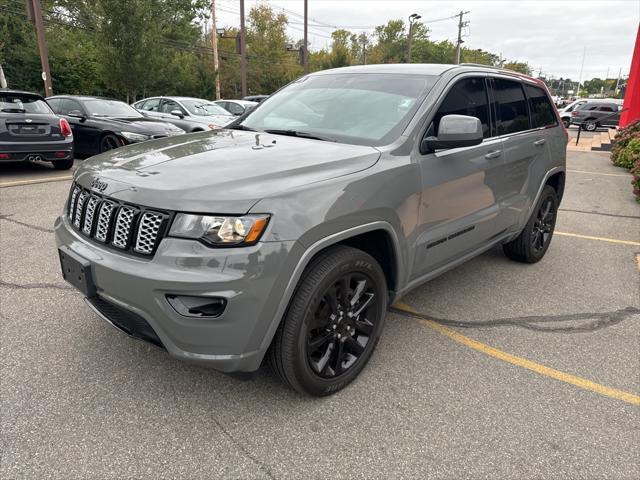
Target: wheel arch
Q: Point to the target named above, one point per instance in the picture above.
(356, 237)
(557, 181)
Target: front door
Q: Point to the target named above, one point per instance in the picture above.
(461, 187)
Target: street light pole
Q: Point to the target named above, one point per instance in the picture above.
(412, 18)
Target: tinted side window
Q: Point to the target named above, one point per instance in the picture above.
(466, 97)
(234, 108)
(68, 105)
(151, 105)
(512, 107)
(169, 105)
(55, 104)
(606, 108)
(542, 113)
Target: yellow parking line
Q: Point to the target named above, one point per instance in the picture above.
(523, 362)
(600, 173)
(600, 239)
(35, 180)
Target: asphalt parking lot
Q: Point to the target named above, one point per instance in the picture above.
(505, 371)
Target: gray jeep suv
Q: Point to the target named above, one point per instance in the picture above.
(287, 235)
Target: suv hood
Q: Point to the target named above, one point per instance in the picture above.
(225, 171)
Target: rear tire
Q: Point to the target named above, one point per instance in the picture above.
(590, 125)
(333, 322)
(533, 242)
(63, 164)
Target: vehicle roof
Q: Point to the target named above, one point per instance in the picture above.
(598, 102)
(19, 92)
(85, 97)
(423, 69)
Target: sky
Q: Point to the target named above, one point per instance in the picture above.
(550, 35)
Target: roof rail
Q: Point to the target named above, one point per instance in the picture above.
(483, 65)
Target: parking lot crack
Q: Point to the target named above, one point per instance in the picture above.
(24, 224)
(615, 215)
(30, 286)
(585, 322)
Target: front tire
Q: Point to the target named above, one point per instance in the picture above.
(109, 142)
(533, 242)
(333, 323)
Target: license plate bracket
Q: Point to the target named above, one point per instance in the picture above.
(77, 271)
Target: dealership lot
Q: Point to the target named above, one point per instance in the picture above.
(451, 399)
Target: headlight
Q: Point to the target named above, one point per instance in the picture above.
(135, 137)
(220, 231)
(213, 127)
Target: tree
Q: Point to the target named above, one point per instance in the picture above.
(521, 67)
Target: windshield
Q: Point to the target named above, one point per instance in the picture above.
(363, 109)
(110, 108)
(20, 103)
(203, 107)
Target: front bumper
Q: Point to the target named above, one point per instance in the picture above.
(251, 279)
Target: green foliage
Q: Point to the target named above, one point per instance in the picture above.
(131, 49)
(620, 156)
(521, 67)
(636, 179)
(629, 154)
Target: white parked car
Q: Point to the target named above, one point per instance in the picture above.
(236, 107)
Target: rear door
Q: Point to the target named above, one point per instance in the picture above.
(522, 119)
(461, 187)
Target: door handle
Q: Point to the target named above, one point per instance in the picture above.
(539, 142)
(493, 154)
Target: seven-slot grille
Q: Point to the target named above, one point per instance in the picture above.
(124, 227)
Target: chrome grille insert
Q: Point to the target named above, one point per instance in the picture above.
(89, 214)
(72, 203)
(148, 232)
(123, 226)
(77, 215)
(130, 228)
(104, 221)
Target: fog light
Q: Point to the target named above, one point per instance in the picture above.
(203, 307)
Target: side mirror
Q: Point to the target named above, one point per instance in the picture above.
(454, 131)
(77, 114)
(177, 113)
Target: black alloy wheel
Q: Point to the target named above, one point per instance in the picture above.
(543, 225)
(333, 322)
(534, 240)
(342, 325)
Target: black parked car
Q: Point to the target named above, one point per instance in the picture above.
(101, 124)
(30, 131)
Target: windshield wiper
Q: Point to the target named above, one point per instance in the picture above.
(242, 127)
(298, 133)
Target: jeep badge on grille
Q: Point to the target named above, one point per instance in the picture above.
(99, 185)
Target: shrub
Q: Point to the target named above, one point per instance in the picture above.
(636, 179)
(628, 157)
(620, 142)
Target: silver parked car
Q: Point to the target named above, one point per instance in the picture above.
(596, 114)
(236, 107)
(190, 114)
(286, 236)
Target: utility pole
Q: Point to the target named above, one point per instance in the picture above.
(461, 25)
(34, 12)
(306, 38)
(412, 18)
(243, 52)
(618, 81)
(214, 45)
(365, 42)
